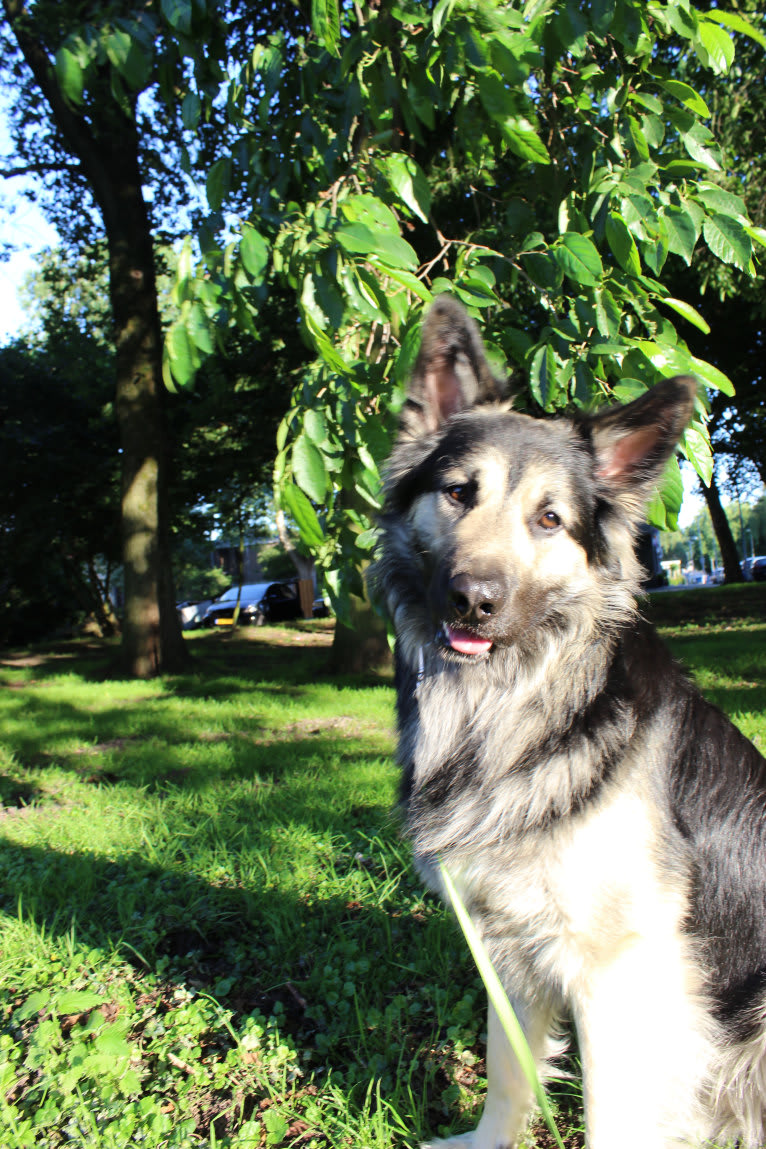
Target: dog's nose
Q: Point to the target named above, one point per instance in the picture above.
(474, 599)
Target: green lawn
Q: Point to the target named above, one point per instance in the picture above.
(210, 933)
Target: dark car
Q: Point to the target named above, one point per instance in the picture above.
(221, 610)
(259, 603)
(758, 568)
(281, 603)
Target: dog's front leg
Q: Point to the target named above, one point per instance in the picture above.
(508, 1093)
(642, 1032)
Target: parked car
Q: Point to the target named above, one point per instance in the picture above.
(259, 603)
(281, 603)
(191, 613)
(758, 568)
(221, 610)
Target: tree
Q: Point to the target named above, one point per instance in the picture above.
(90, 76)
(59, 537)
(732, 302)
(540, 161)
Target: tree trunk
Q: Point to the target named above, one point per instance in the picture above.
(732, 571)
(105, 142)
(363, 645)
(152, 640)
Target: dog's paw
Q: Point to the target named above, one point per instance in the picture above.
(474, 1140)
(464, 1141)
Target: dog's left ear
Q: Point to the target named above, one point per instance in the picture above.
(633, 443)
(451, 372)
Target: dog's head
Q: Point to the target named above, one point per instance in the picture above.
(499, 528)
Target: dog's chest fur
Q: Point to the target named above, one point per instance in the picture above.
(571, 882)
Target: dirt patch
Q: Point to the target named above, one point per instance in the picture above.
(307, 726)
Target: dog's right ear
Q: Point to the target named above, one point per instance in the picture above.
(451, 372)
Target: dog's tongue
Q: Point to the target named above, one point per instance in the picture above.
(466, 643)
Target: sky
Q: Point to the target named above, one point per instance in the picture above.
(25, 229)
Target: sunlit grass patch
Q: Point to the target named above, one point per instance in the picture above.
(210, 931)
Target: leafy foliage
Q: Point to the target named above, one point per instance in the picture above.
(59, 523)
(543, 162)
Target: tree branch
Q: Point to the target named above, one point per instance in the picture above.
(40, 170)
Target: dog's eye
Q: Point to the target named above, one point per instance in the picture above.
(549, 521)
(457, 492)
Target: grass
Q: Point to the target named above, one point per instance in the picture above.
(210, 932)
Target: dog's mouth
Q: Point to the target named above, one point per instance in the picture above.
(465, 642)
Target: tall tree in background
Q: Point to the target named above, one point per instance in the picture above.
(120, 115)
(97, 130)
(732, 302)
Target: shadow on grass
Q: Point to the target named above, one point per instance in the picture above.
(291, 652)
(352, 982)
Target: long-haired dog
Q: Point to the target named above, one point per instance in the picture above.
(604, 824)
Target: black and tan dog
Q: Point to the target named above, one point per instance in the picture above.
(605, 825)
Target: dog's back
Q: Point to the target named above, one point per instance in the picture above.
(604, 823)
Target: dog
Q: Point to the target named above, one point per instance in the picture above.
(604, 824)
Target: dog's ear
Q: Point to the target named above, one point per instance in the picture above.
(451, 372)
(633, 443)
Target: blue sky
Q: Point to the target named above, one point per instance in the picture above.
(23, 226)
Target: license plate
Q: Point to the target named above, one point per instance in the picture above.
(224, 621)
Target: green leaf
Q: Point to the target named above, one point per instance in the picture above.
(218, 183)
(77, 1001)
(638, 138)
(718, 45)
(111, 1041)
(178, 14)
(689, 313)
(136, 64)
(500, 100)
(315, 427)
(500, 1003)
(409, 183)
(191, 108)
(70, 75)
(682, 234)
(711, 376)
(370, 210)
(757, 233)
(602, 15)
(687, 96)
(737, 23)
(622, 244)
(701, 146)
(254, 250)
(198, 326)
(442, 13)
(542, 375)
(389, 250)
(722, 201)
(727, 238)
(647, 101)
(523, 139)
(663, 510)
(543, 269)
(696, 446)
(325, 23)
(578, 258)
(309, 468)
(301, 511)
(181, 354)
